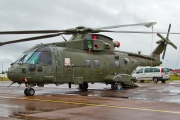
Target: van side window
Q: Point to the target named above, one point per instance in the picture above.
(96, 64)
(116, 64)
(87, 63)
(140, 71)
(147, 70)
(155, 69)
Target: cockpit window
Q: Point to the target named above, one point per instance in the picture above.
(40, 56)
(21, 58)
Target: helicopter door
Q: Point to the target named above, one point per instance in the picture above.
(68, 65)
(87, 60)
(49, 68)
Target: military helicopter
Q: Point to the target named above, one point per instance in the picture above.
(87, 57)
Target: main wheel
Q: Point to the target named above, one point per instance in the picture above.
(83, 86)
(112, 86)
(117, 86)
(155, 80)
(80, 86)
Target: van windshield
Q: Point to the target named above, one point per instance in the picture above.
(165, 69)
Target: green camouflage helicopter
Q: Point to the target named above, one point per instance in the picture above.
(87, 57)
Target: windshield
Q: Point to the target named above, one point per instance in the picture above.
(41, 56)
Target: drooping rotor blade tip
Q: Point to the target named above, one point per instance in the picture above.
(150, 24)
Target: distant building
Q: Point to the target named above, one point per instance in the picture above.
(3, 75)
(175, 71)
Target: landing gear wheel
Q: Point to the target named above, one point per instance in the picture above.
(155, 80)
(117, 86)
(83, 86)
(29, 91)
(25, 92)
(112, 86)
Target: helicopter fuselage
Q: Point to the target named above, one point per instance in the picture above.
(78, 61)
(71, 65)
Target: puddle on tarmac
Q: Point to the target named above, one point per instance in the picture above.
(6, 109)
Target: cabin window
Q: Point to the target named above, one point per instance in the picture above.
(126, 60)
(96, 64)
(116, 64)
(87, 63)
(67, 61)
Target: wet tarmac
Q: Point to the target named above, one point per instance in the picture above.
(149, 101)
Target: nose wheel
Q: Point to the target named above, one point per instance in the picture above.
(29, 91)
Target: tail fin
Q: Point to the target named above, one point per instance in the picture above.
(162, 45)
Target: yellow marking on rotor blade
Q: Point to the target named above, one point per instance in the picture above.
(101, 105)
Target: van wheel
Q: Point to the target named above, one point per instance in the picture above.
(141, 80)
(155, 80)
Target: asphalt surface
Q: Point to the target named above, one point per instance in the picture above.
(149, 101)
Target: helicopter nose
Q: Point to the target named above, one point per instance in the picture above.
(15, 73)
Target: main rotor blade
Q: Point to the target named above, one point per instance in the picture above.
(30, 39)
(168, 31)
(31, 32)
(141, 32)
(147, 24)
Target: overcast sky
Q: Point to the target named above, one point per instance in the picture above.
(63, 14)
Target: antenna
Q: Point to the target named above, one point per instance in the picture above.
(64, 38)
(2, 67)
(152, 43)
(178, 57)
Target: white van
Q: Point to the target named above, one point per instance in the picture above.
(152, 73)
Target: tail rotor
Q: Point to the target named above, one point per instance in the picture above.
(165, 41)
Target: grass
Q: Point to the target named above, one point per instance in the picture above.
(174, 77)
(4, 79)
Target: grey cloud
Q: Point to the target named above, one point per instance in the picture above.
(63, 14)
